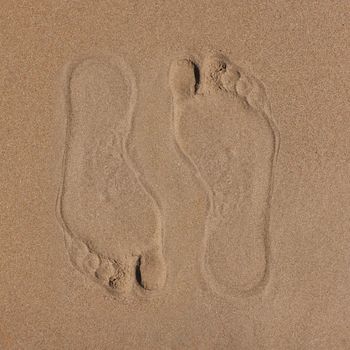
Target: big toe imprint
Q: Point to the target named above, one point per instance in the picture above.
(225, 132)
(112, 224)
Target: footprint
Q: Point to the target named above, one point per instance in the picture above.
(224, 132)
(111, 222)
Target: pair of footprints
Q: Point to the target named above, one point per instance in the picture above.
(111, 219)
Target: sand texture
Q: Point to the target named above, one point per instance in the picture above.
(175, 175)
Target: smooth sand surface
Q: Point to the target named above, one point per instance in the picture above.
(175, 175)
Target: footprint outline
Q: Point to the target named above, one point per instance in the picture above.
(183, 91)
(140, 258)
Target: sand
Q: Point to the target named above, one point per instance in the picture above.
(175, 175)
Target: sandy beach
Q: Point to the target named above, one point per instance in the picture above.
(175, 175)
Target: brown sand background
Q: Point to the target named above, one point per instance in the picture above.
(300, 50)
